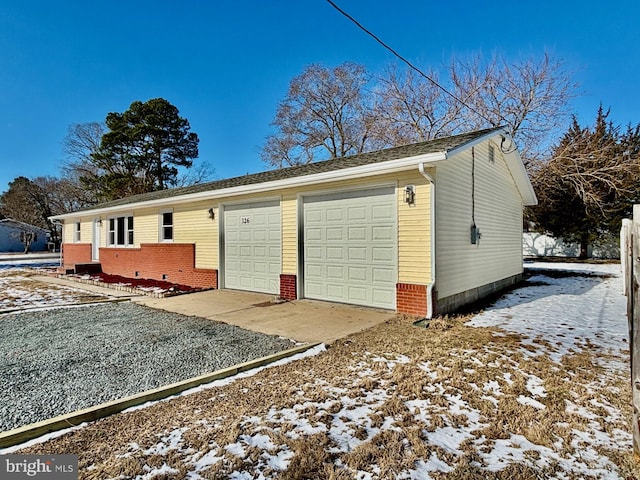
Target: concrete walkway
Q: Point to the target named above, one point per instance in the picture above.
(300, 320)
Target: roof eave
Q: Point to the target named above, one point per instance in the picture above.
(370, 169)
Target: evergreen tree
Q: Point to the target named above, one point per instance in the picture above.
(141, 151)
(590, 183)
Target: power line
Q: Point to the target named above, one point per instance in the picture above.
(411, 65)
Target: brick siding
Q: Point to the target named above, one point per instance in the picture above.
(411, 299)
(73, 253)
(288, 286)
(173, 262)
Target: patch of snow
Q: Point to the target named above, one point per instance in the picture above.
(568, 312)
(531, 402)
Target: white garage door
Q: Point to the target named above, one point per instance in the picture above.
(252, 247)
(350, 247)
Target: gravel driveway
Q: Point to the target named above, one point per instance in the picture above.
(57, 361)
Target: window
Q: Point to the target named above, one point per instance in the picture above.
(120, 232)
(76, 232)
(166, 226)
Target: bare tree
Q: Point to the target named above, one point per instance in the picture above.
(79, 145)
(324, 115)
(200, 172)
(330, 113)
(530, 98)
(410, 109)
(589, 184)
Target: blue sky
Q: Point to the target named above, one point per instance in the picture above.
(227, 64)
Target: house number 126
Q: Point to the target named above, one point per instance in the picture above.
(245, 220)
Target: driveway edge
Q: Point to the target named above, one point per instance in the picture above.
(35, 430)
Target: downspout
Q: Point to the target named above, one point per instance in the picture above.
(432, 231)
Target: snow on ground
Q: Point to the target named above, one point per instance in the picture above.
(485, 407)
(18, 290)
(569, 313)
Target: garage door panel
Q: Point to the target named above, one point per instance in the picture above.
(335, 234)
(383, 233)
(351, 256)
(334, 253)
(355, 214)
(357, 254)
(313, 217)
(335, 291)
(383, 275)
(314, 271)
(382, 212)
(359, 294)
(314, 234)
(314, 289)
(383, 254)
(335, 273)
(383, 297)
(252, 246)
(358, 274)
(334, 215)
(357, 233)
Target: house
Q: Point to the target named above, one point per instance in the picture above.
(419, 229)
(12, 233)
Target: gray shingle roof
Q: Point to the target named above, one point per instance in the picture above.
(444, 144)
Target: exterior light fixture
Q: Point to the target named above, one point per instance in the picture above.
(410, 194)
(212, 214)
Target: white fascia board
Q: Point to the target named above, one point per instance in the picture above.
(361, 171)
(501, 132)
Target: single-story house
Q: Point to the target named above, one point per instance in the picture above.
(420, 228)
(12, 232)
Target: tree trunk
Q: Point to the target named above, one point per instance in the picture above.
(584, 247)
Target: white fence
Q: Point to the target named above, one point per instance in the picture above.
(540, 245)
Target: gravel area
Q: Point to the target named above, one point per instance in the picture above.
(61, 360)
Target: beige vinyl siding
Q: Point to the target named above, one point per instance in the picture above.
(145, 226)
(191, 224)
(460, 265)
(86, 230)
(289, 209)
(414, 233)
(67, 231)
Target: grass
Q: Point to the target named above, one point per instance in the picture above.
(376, 402)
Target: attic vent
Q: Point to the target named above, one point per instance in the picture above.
(492, 154)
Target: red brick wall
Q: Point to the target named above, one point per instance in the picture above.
(173, 262)
(411, 299)
(73, 253)
(288, 289)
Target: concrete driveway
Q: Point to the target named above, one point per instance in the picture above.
(301, 320)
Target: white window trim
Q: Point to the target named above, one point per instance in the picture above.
(126, 216)
(77, 231)
(161, 226)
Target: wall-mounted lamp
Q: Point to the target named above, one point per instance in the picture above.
(410, 194)
(212, 214)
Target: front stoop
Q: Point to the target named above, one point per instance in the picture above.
(81, 268)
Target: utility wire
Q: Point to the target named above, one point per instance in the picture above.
(412, 66)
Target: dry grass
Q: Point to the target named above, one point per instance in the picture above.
(388, 390)
(19, 290)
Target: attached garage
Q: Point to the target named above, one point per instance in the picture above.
(252, 247)
(350, 250)
(421, 228)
